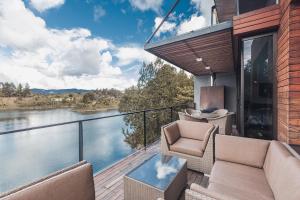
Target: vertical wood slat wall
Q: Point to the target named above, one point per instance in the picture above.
(288, 72)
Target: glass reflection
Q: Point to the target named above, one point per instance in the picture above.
(158, 171)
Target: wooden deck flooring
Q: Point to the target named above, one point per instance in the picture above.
(109, 183)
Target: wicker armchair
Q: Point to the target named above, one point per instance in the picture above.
(190, 135)
(73, 183)
(191, 111)
(224, 121)
(187, 117)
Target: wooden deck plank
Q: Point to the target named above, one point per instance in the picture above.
(109, 183)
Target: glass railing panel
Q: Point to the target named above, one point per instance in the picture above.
(187, 16)
(156, 119)
(28, 156)
(104, 142)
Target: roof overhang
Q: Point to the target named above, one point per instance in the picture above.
(226, 9)
(214, 45)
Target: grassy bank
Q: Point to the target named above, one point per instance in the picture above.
(46, 102)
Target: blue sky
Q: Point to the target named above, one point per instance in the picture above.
(86, 44)
(120, 21)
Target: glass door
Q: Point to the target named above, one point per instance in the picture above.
(257, 80)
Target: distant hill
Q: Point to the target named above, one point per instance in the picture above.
(58, 91)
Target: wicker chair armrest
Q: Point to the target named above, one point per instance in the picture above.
(198, 192)
(193, 195)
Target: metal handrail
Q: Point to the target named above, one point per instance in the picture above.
(85, 120)
(80, 125)
(161, 23)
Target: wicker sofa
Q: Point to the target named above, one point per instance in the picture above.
(193, 141)
(73, 183)
(247, 169)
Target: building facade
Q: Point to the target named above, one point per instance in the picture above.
(252, 49)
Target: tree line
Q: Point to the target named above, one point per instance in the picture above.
(11, 90)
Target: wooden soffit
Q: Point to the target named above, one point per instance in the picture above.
(226, 9)
(212, 44)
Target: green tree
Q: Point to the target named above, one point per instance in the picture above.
(159, 85)
(26, 90)
(8, 89)
(19, 90)
(88, 97)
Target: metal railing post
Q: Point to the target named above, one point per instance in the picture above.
(80, 141)
(171, 115)
(145, 129)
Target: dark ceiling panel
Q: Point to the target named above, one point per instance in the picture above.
(226, 9)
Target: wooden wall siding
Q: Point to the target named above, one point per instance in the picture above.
(284, 4)
(215, 49)
(288, 73)
(257, 21)
(283, 77)
(294, 76)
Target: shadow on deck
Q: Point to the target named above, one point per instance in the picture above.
(109, 183)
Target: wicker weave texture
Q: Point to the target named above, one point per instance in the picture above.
(224, 123)
(192, 195)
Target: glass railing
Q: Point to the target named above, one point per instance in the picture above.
(28, 154)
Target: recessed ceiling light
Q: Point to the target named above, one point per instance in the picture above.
(199, 59)
(207, 68)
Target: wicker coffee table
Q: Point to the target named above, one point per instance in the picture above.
(158, 177)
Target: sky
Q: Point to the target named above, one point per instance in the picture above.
(87, 44)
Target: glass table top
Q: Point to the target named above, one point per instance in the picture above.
(158, 171)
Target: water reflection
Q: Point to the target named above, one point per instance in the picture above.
(29, 155)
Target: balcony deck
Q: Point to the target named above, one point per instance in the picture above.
(109, 183)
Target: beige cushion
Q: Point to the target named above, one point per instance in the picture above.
(75, 184)
(241, 150)
(289, 181)
(243, 179)
(172, 133)
(194, 130)
(276, 156)
(188, 146)
(283, 172)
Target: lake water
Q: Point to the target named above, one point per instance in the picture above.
(27, 156)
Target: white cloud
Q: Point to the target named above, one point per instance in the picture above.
(99, 12)
(129, 55)
(144, 5)
(42, 5)
(204, 6)
(59, 58)
(166, 27)
(164, 169)
(200, 19)
(193, 23)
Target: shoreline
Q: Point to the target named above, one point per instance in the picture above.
(73, 109)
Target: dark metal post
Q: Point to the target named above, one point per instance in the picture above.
(145, 129)
(80, 141)
(171, 115)
(161, 23)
